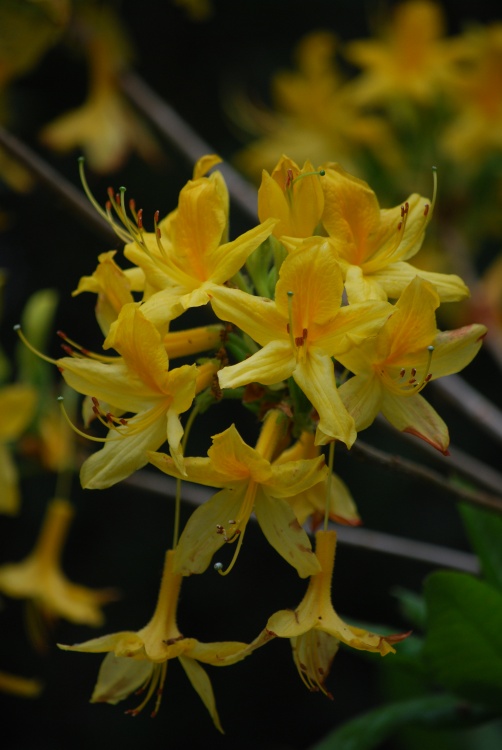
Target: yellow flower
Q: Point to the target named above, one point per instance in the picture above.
(105, 127)
(113, 286)
(315, 629)
(137, 661)
(300, 333)
(476, 130)
(409, 59)
(24, 687)
(189, 255)
(137, 382)
(17, 409)
(250, 482)
(314, 118)
(374, 244)
(311, 503)
(39, 579)
(391, 368)
(292, 195)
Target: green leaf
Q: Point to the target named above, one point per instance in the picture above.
(371, 729)
(484, 530)
(463, 647)
(412, 606)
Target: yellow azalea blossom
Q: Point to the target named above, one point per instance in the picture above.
(105, 127)
(250, 482)
(137, 661)
(137, 382)
(476, 130)
(311, 503)
(113, 287)
(408, 61)
(190, 254)
(292, 195)
(315, 629)
(315, 116)
(17, 409)
(40, 580)
(24, 687)
(392, 367)
(300, 332)
(374, 244)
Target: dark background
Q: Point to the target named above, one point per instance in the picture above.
(120, 535)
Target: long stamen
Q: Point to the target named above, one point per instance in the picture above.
(158, 235)
(17, 329)
(85, 352)
(76, 429)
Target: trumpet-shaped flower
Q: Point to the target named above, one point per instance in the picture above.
(105, 127)
(189, 254)
(250, 481)
(292, 195)
(407, 62)
(315, 629)
(300, 332)
(137, 661)
(137, 382)
(40, 580)
(374, 244)
(391, 368)
(17, 407)
(314, 115)
(475, 131)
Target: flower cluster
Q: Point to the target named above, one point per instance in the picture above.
(316, 321)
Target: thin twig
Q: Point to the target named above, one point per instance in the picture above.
(185, 139)
(361, 538)
(471, 403)
(422, 473)
(73, 198)
(459, 461)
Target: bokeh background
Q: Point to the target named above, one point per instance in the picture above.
(119, 535)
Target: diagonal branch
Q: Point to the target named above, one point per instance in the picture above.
(70, 196)
(182, 136)
(418, 472)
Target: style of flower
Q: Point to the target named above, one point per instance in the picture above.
(189, 254)
(409, 59)
(250, 482)
(300, 332)
(137, 661)
(40, 580)
(314, 627)
(17, 407)
(311, 503)
(137, 382)
(292, 195)
(391, 368)
(373, 244)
